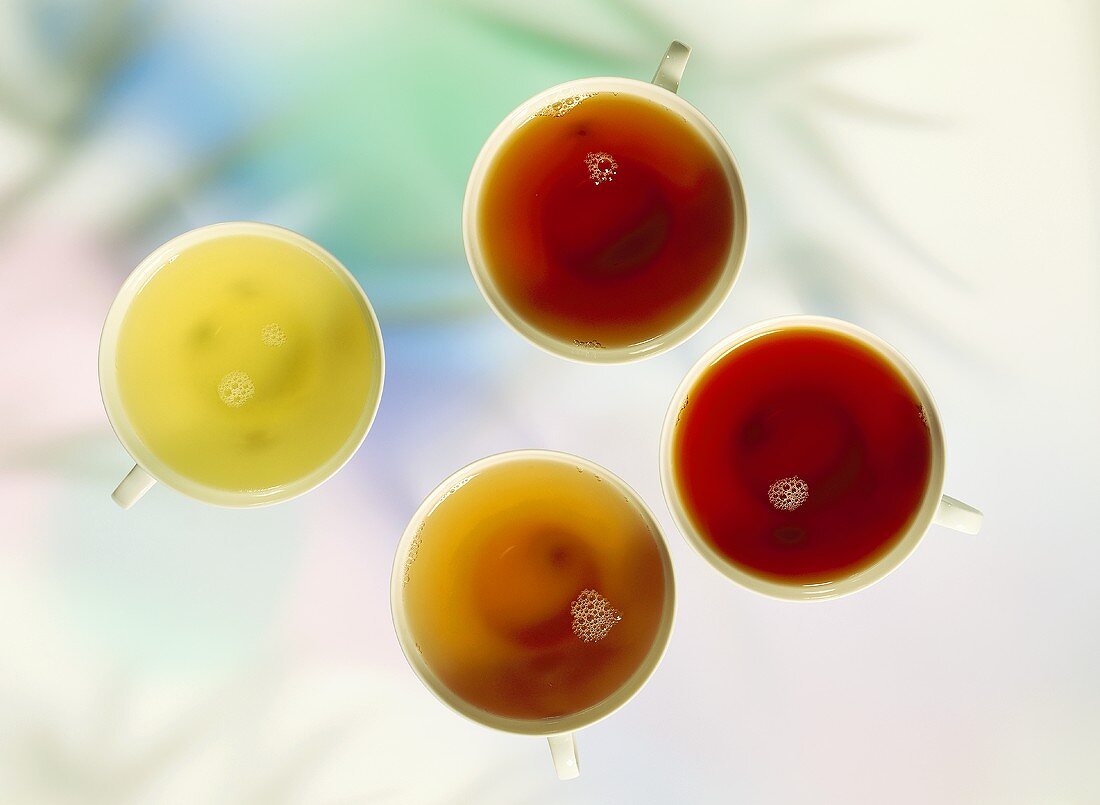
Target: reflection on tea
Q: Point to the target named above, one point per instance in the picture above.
(534, 588)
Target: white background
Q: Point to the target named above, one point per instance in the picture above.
(929, 171)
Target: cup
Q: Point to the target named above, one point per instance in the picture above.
(559, 731)
(935, 507)
(148, 467)
(661, 91)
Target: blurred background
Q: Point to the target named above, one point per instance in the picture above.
(927, 170)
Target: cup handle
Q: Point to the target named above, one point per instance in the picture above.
(563, 748)
(957, 515)
(136, 483)
(671, 69)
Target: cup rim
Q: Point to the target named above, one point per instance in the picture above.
(702, 314)
(116, 412)
(863, 578)
(525, 726)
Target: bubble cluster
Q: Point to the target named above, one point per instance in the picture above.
(410, 557)
(564, 106)
(683, 407)
(588, 344)
(787, 494)
(273, 335)
(593, 616)
(236, 388)
(602, 167)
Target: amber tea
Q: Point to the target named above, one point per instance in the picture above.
(536, 586)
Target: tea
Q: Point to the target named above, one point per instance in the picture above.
(801, 455)
(246, 363)
(535, 587)
(606, 220)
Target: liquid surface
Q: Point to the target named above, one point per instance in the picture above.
(802, 456)
(534, 590)
(605, 220)
(246, 363)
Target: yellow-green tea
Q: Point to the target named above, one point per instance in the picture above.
(246, 363)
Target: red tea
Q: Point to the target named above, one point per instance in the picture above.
(802, 455)
(535, 588)
(606, 220)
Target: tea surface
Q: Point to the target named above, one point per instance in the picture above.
(802, 456)
(534, 589)
(605, 220)
(245, 363)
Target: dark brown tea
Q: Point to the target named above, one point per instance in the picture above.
(605, 220)
(802, 455)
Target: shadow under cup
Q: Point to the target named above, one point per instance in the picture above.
(476, 641)
(605, 276)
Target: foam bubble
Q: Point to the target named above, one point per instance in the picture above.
(564, 106)
(410, 557)
(602, 167)
(787, 494)
(273, 335)
(236, 388)
(593, 616)
(683, 407)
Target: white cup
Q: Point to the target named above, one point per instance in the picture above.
(661, 91)
(148, 468)
(557, 731)
(935, 507)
